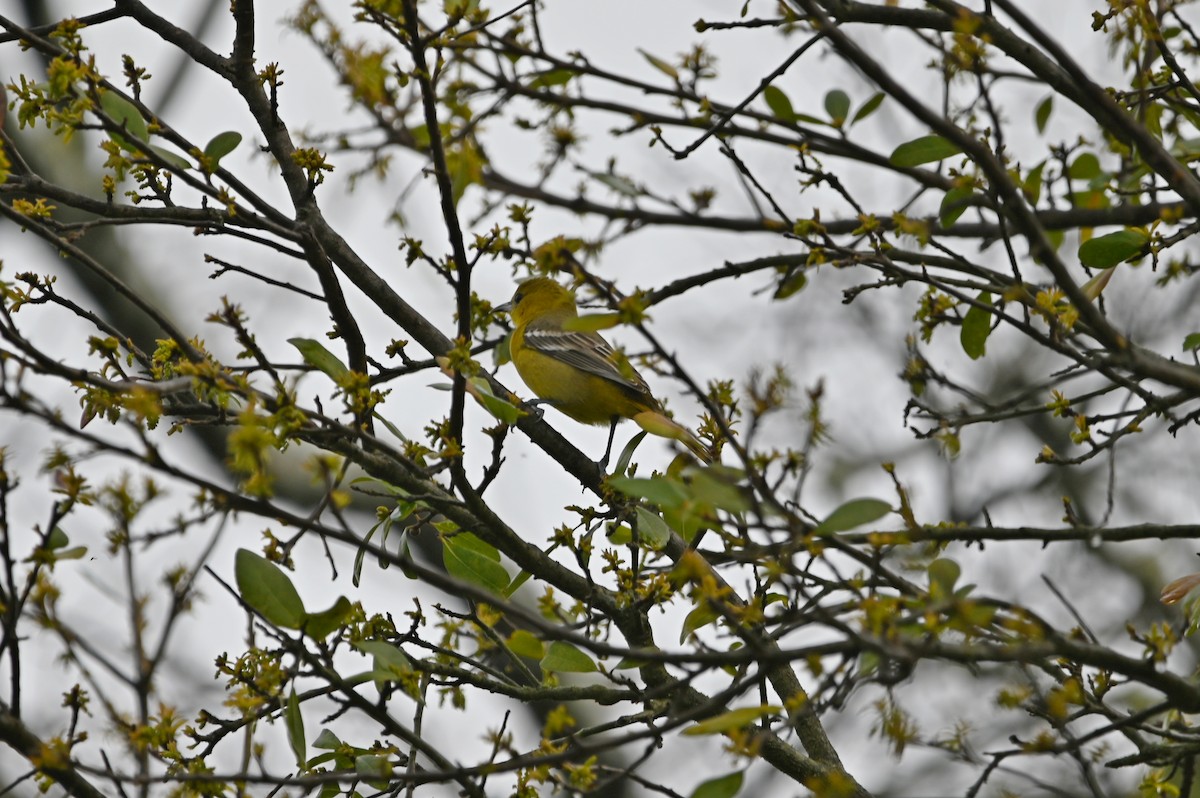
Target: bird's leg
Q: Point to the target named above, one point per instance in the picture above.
(532, 406)
(612, 431)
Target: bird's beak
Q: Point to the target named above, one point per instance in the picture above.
(505, 308)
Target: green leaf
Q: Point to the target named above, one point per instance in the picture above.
(268, 590)
(387, 658)
(1186, 148)
(526, 644)
(295, 728)
(854, 513)
(658, 490)
(521, 578)
(653, 532)
(976, 327)
(502, 409)
(621, 185)
(1192, 342)
(317, 356)
(468, 558)
(779, 104)
(388, 663)
(954, 204)
(725, 786)
(320, 625)
(555, 77)
(57, 539)
(661, 65)
(1095, 286)
(619, 534)
(627, 453)
(171, 157)
(685, 520)
(869, 107)
(1085, 167)
(1106, 251)
(125, 113)
(221, 145)
(374, 769)
(630, 663)
(719, 488)
(592, 322)
(943, 573)
(731, 720)
(1042, 115)
(1031, 186)
(327, 741)
(563, 657)
(701, 615)
(837, 105)
(926, 149)
(792, 284)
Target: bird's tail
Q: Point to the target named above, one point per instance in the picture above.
(657, 423)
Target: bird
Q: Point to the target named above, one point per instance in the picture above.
(578, 372)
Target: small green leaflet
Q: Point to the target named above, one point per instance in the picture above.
(468, 558)
(621, 185)
(943, 574)
(327, 741)
(125, 114)
(1085, 167)
(731, 720)
(853, 513)
(725, 786)
(1031, 186)
(221, 145)
(702, 615)
(869, 107)
(319, 357)
(555, 77)
(565, 658)
(295, 728)
(175, 159)
(659, 490)
(653, 532)
(926, 149)
(837, 105)
(1095, 286)
(954, 204)
(779, 104)
(319, 625)
(718, 486)
(792, 284)
(976, 327)
(389, 662)
(374, 769)
(502, 409)
(1106, 251)
(1192, 342)
(526, 644)
(268, 590)
(1042, 115)
(661, 65)
(57, 539)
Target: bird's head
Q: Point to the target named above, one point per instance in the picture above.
(538, 297)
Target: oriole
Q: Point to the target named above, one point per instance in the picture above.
(578, 372)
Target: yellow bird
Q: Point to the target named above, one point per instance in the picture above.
(578, 372)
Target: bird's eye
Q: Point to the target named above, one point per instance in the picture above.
(519, 296)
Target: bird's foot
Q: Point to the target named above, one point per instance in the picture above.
(533, 408)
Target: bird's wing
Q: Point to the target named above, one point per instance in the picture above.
(586, 351)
